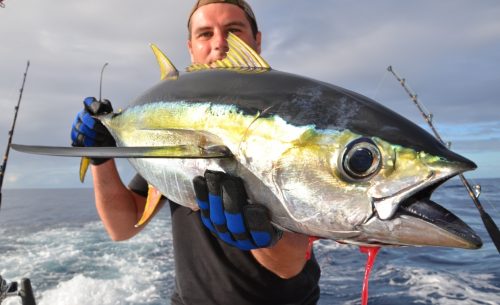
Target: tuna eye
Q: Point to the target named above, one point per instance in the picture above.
(360, 160)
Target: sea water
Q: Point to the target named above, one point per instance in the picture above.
(55, 238)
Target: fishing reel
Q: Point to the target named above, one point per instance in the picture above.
(12, 289)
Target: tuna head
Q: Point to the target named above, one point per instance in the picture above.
(370, 180)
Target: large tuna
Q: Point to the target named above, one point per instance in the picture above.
(326, 161)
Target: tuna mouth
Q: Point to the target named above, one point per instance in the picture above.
(386, 207)
(419, 221)
(455, 232)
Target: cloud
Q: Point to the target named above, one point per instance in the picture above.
(446, 51)
(449, 51)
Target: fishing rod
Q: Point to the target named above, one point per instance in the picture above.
(85, 161)
(11, 133)
(13, 289)
(474, 193)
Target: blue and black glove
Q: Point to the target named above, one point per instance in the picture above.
(88, 131)
(225, 211)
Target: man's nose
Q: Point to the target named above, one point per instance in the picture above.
(220, 42)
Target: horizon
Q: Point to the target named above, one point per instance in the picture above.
(448, 51)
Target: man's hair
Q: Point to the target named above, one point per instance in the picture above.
(240, 3)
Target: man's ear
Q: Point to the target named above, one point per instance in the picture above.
(190, 49)
(258, 40)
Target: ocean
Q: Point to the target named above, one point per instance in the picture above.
(55, 238)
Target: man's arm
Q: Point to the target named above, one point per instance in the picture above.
(287, 257)
(118, 207)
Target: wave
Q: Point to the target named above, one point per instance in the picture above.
(83, 266)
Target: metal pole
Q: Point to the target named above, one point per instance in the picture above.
(11, 133)
(100, 81)
(490, 225)
(13, 289)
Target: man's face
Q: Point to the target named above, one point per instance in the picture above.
(210, 25)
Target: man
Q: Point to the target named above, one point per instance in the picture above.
(208, 270)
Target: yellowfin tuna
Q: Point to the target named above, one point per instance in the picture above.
(326, 161)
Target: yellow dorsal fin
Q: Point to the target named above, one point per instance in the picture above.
(240, 57)
(167, 69)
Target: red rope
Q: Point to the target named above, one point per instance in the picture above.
(372, 254)
(312, 239)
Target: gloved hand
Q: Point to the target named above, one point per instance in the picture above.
(88, 131)
(225, 211)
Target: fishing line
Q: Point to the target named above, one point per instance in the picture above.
(85, 161)
(382, 80)
(478, 192)
(475, 191)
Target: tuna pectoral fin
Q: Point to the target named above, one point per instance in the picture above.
(84, 166)
(178, 151)
(152, 202)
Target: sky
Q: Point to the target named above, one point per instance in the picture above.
(448, 51)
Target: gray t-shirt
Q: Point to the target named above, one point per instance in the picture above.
(208, 271)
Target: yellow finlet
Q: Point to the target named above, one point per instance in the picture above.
(152, 202)
(167, 69)
(240, 57)
(84, 166)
